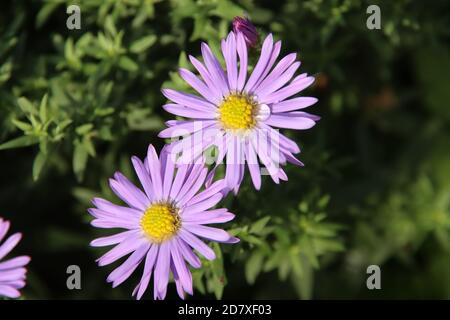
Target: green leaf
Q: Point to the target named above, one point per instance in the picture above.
(22, 125)
(83, 129)
(259, 225)
(253, 267)
(26, 106)
(128, 64)
(80, 157)
(38, 164)
(20, 142)
(143, 44)
(43, 109)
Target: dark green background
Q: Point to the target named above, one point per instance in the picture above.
(377, 164)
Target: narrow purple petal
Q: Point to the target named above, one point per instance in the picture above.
(9, 244)
(279, 69)
(185, 128)
(188, 254)
(146, 275)
(197, 244)
(182, 111)
(199, 86)
(181, 269)
(162, 269)
(299, 123)
(242, 52)
(253, 166)
(261, 64)
(203, 205)
(144, 177)
(293, 104)
(14, 263)
(188, 100)
(209, 233)
(154, 166)
(113, 239)
(293, 88)
(229, 54)
(214, 69)
(4, 227)
(9, 292)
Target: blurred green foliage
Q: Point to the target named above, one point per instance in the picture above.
(375, 189)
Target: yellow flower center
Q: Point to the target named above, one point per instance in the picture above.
(238, 111)
(160, 222)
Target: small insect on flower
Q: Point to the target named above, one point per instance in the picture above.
(163, 223)
(241, 115)
(12, 271)
(248, 30)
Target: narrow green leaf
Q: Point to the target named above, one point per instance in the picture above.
(22, 125)
(26, 106)
(259, 225)
(43, 109)
(80, 157)
(83, 129)
(253, 267)
(143, 44)
(20, 142)
(38, 164)
(128, 64)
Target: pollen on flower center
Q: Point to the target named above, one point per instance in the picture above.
(160, 221)
(238, 111)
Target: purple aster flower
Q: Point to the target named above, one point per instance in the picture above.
(12, 271)
(248, 30)
(241, 114)
(163, 223)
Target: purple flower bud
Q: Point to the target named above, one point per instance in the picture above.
(246, 27)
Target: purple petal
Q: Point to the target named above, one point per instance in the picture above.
(162, 269)
(279, 81)
(293, 104)
(9, 292)
(14, 263)
(113, 239)
(185, 128)
(214, 87)
(253, 165)
(273, 57)
(144, 177)
(128, 192)
(229, 54)
(199, 86)
(242, 52)
(209, 233)
(188, 254)
(261, 64)
(146, 275)
(4, 227)
(154, 166)
(197, 244)
(281, 67)
(188, 100)
(299, 123)
(214, 69)
(294, 87)
(182, 111)
(123, 272)
(209, 217)
(216, 187)
(9, 244)
(203, 205)
(128, 245)
(181, 269)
